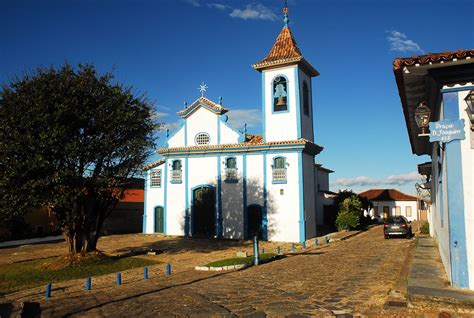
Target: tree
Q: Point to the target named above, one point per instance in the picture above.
(349, 213)
(70, 141)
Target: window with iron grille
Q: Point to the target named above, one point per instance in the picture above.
(279, 170)
(202, 139)
(156, 178)
(231, 170)
(176, 174)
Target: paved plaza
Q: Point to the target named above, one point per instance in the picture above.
(364, 275)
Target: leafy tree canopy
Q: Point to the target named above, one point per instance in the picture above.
(70, 139)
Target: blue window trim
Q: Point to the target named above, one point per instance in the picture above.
(203, 132)
(287, 96)
(177, 181)
(225, 164)
(273, 167)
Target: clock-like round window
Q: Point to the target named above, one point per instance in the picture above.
(202, 139)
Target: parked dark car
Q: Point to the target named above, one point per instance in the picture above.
(397, 225)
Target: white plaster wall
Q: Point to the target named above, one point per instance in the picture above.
(154, 198)
(467, 159)
(323, 180)
(177, 140)
(392, 208)
(175, 201)
(232, 202)
(306, 121)
(202, 120)
(283, 210)
(280, 125)
(309, 187)
(255, 179)
(228, 135)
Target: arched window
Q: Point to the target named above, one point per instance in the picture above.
(305, 99)
(280, 94)
(231, 170)
(176, 171)
(279, 170)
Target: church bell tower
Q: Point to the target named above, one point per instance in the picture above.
(286, 84)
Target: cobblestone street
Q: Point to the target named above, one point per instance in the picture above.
(355, 275)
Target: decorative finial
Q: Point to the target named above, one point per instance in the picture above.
(285, 13)
(202, 88)
(185, 104)
(167, 133)
(220, 100)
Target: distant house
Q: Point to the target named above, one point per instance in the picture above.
(390, 202)
(325, 213)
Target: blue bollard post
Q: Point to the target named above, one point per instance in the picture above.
(145, 273)
(168, 269)
(88, 283)
(304, 246)
(292, 247)
(316, 242)
(48, 290)
(118, 279)
(278, 250)
(255, 250)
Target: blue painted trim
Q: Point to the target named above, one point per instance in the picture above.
(302, 225)
(176, 181)
(454, 186)
(186, 198)
(192, 203)
(144, 202)
(457, 89)
(273, 167)
(264, 131)
(244, 195)
(219, 229)
(236, 168)
(287, 96)
(279, 182)
(182, 124)
(297, 103)
(165, 199)
(265, 200)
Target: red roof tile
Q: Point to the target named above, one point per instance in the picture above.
(433, 58)
(386, 195)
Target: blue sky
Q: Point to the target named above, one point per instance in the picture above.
(167, 48)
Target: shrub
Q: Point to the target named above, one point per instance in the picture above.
(425, 228)
(347, 220)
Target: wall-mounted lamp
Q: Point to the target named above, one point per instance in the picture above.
(422, 118)
(470, 107)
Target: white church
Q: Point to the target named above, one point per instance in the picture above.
(215, 181)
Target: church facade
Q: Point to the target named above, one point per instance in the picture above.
(215, 181)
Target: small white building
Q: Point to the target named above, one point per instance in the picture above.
(391, 202)
(214, 181)
(443, 84)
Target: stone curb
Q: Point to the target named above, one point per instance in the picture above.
(222, 268)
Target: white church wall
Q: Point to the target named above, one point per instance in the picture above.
(227, 134)
(306, 120)
(280, 125)
(254, 173)
(175, 201)
(283, 201)
(309, 188)
(202, 120)
(154, 197)
(232, 200)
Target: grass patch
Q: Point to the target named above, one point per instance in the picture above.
(240, 260)
(23, 275)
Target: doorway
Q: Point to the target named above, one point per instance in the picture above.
(159, 219)
(203, 211)
(254, 221)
